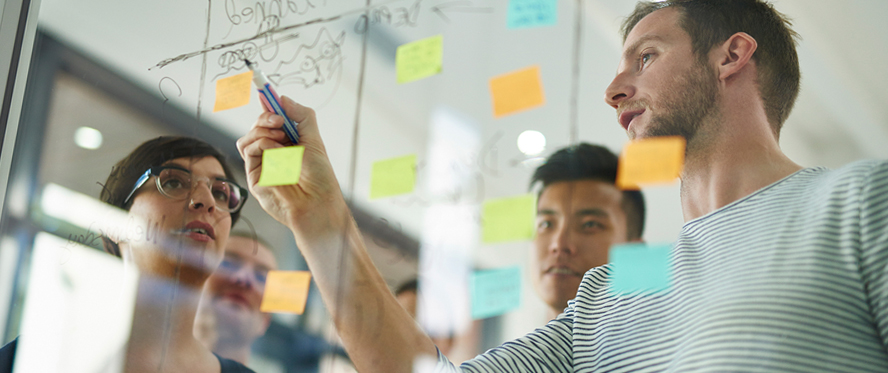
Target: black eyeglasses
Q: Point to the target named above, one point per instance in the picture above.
(177, 183)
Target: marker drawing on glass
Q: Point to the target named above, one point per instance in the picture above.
(272, 101)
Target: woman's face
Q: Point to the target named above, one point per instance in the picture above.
(188, 234)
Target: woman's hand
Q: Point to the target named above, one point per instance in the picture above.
(315, 204)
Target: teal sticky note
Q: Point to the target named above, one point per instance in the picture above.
(495, 291)
(532, 13)
(640, 268)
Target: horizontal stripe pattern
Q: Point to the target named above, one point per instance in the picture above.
(792, 278)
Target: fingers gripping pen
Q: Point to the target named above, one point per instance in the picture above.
(272, 101)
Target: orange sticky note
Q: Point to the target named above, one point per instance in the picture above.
(286, 291)
(656, 160)
(233, 91)
(516, 91)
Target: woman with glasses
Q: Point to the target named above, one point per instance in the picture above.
(181, 189)
(181, 192)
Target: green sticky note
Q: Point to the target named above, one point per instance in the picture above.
(531, 13)
(495, 291)
(419, 59)
(641, 268)
(281, 166)
(508, 219)
(392, 177)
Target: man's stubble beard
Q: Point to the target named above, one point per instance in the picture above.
(693, 105)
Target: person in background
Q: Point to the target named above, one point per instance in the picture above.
(580, 215)
(228, 319)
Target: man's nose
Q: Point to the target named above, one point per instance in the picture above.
(562, 242)
(620, 89)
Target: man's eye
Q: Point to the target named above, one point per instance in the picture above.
(592, 224)
(228, 265)
(644, 59)
(544, 224)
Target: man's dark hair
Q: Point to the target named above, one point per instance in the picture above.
(592, 162)
(149, 154)
(411, 285)
(712, 22)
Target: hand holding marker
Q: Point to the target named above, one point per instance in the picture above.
(272, 101)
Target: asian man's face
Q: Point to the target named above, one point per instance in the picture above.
(576, 224)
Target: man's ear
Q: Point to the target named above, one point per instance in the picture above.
(734, 54)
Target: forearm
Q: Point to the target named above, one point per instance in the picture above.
(379, 335)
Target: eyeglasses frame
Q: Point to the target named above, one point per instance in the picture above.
(155, 171)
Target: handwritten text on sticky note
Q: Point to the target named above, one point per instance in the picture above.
(508, 219)
(281, 166)
(285, 291)
(655, 160)
(392, 177)
(516, 91)
(532, 13)
(233, 91)
(419, 59)
(640, 268)
(495, 291)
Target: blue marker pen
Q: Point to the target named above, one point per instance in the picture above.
(272, 101)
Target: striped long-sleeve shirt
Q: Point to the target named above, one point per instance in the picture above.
(791, 278)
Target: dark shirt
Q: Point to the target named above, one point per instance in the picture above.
(231, 366)
(7, 357)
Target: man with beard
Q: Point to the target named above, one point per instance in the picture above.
(229, 320)
(777, 268)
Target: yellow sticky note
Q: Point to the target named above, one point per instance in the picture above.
(508, 219)
(419, 59)
(656, 160)
(392, 177)
(517, 91)
(233, 91)
(285, 291)
(281, 166)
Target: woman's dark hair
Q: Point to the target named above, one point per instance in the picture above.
(153, 153)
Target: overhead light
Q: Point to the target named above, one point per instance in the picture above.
(88, 138)
(531, 142)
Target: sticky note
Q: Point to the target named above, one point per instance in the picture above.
(531, 13)
(508, 219)
(281, 166)
(495, 291)
(392, 177)
(285, 291)
(656, 160)
(640, 268)
(516, 91)
(233, 91)
(419, 59)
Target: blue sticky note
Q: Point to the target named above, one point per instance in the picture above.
(640, 268)
(532, 13)
(495, 291)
